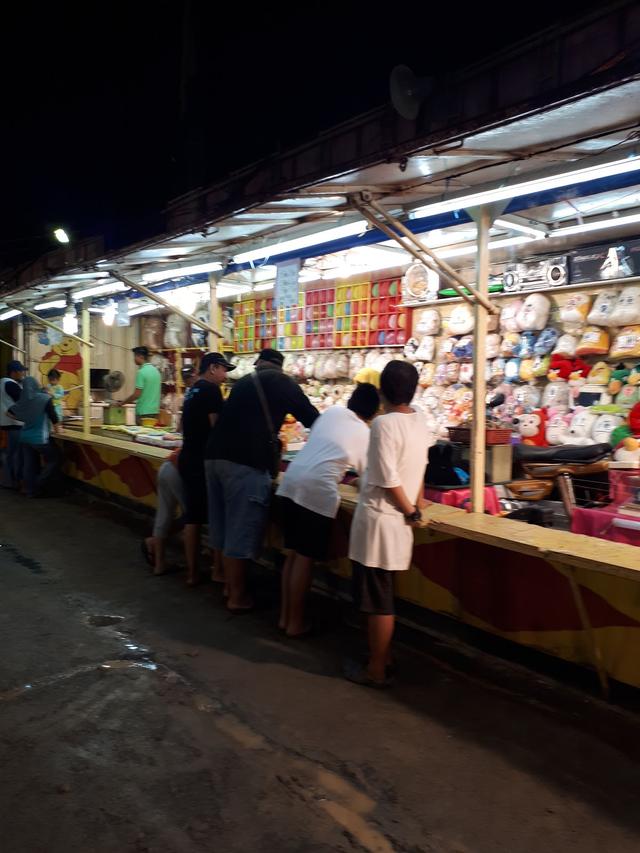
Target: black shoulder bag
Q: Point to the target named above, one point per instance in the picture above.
(275, 445)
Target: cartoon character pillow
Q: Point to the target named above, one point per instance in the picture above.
(626, 343)
(603, 307)
(534, 313)
(493, 345)
(463, 348)
(627, 308)
(427, 348)
(461, 321)
(576, 308)
(594, 341)
(557, 426)
(546, 341)
(509, 316)
(527, 345)
(566, 346)
(510, 345)
(426, 321)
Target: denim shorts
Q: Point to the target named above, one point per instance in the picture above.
(239, 498)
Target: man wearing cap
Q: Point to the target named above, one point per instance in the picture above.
(239, 462)
(10, 390)
(202, 405)
(148, 383)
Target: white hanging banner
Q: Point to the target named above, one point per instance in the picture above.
(286, 290)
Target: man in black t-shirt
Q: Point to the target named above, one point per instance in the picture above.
(202, 405)
(239, 459)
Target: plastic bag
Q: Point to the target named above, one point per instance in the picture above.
(594, 341)
(626, 343)
(576, 308)
(546, 341)
(566, 346)
(627, 308)
(603, 307)
(527, 345)
(534, 313)
(510, 344)
(509, 315)
(426, 321)
(493, 345)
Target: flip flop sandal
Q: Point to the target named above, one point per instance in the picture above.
(146, 553)
(356, 672)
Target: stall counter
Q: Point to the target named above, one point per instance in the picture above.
(116, 466)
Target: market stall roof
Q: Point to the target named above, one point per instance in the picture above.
(497, 125)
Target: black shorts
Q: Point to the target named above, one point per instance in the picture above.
(195, 490)
(372, 590)
(306, 532)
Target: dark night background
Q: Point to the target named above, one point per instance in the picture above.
(111, 109)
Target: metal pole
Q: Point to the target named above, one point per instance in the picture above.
(86, 368)
(12, 346)
(134, 285)
(478, 426)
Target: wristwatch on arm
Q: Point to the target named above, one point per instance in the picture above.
(414, 516)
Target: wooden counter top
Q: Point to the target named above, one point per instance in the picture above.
(133, 448)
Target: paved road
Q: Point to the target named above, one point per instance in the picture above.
(154, 722)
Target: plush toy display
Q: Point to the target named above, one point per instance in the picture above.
(466, 373)
(546, 341)
(512, 370)
(453, 372)
(626, 438)
(627, 308)
(445, 352)
(461, 321)
(541, 364)
(526, 370)
(599, 374)
(532, 428)
(600, 314)
(493, 345)
(527, 345)
(510, 345)
(427, 348)
(427, 374)
(426, 321)
(534, 313)
(581, 427)
(440, 377)
(527, 397)
(509, 316)
(576, 308)
(626, 343)
(594, 341)
(497, 370)
(566, 346)
(557, 426)
(463, 348)
(604, 426)
(556, 395)
(175, 333)
(411, 348)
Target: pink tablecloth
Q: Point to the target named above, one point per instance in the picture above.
(462, 497)
(605, 524)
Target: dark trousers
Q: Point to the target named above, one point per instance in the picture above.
(35, 476)
(12, 463)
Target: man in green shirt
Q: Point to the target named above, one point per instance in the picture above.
(148, 382)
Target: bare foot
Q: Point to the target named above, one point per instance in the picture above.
(242, 605)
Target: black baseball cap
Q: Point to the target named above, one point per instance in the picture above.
(272, 356)
(215, 358)
(144, 351)
(15, 366)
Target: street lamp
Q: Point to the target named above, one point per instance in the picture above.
(61, 235)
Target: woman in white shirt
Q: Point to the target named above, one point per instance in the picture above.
(309, 496)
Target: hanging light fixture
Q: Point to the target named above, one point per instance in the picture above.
(109, 313)
(70, 319)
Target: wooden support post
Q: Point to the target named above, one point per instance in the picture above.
(478, 448)
(86, 368)
(215, 337)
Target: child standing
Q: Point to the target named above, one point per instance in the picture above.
(391, 497)
(55, 389)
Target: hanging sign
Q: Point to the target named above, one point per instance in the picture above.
(286, 290)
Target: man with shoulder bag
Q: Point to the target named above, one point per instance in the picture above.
(242, 458)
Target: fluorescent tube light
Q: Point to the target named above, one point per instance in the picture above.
(167, 274)
(493, 244)
(57, 303)
(9, 314)
(536, 233)
(578, 176)
(100, 290)
(266, 286)
(585, 227)
(317, 239)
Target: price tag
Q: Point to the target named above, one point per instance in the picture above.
(286, 290)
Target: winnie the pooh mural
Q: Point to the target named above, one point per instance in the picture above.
(65, 357)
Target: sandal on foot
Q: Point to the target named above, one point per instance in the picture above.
(356, 672)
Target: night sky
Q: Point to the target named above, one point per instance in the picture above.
(110, 109)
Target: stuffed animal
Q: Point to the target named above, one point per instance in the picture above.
(461, 321)
(534, 313)
(526, 370)
(497, 370)
(427, 374)
(627, 309)
(600, 314)
(426, 321)
(512, 370)
(175, 333)
(427, 348)
(532, 428)
(581, 427)
(566, 346)
(628, 450)
(546, 341)
(557, 426)
(556, 395)
(541, 364)
(604, 426)
(466, 373)
(510, 345)
(626, 343)
(493, 345)
(576, 309)
(626, 437)
(560, 367)
(526, 397)
(594, 341)
(411, 348)
(463, 348)
(625, 384)
(508, 316)
(599, 374)
(453, 372)
(527, 345)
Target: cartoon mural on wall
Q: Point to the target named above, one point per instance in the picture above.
(65, 357)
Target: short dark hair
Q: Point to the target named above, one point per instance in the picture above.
(54, 374)
(143, 351)
(398, 382)
(365, 400)
(270, 356)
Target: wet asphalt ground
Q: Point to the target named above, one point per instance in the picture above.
(136, 715)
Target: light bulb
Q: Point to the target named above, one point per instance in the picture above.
(109, 313)
(70, 321)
